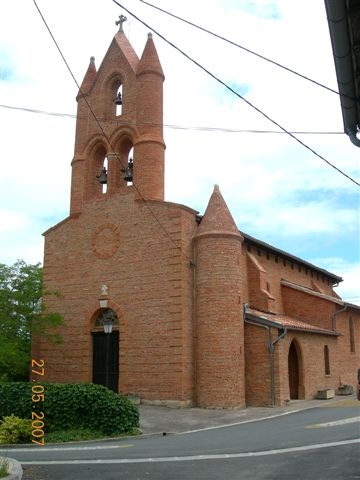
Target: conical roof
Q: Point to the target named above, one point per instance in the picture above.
(217, 218)
(149, 61)
(88, 78)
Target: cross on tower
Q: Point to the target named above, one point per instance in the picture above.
(120, 22)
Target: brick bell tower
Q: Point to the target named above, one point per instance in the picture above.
(109, 260)
(119, 133)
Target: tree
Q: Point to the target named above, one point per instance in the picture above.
(21, 315)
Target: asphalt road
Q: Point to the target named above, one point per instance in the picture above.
(320, 443)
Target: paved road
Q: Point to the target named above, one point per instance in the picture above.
(321, 443)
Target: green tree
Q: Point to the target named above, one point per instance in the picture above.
(21, 315)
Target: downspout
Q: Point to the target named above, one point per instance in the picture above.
(333, 319)
(271, 347)
(351, 132)
(192, 265)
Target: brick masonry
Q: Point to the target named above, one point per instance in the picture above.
(180, 285)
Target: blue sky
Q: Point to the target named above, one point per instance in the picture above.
(277, 190)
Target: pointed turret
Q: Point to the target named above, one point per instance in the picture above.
(150, 148)
(219, 298)
(149, 61)
(217, 218)
(88, 78)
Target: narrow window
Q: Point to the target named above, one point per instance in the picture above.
(118, 101)
(128, 175)
(326, 360)
(351, 335)
(103, 175)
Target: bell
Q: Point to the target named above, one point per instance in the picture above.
(102, 177)
(128, 173)
(118, 99)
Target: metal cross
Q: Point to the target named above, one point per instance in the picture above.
(120, 22)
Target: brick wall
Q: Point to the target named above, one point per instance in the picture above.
(118, 242)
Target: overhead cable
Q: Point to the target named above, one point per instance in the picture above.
(238, 94)
(180, 127)
(146, 203)
(262, 57)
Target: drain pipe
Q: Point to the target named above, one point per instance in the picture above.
(271, 346)
(352, 135)
(333, 319)
(272, 349)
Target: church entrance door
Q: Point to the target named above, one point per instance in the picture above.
(106, 359)
(293, 364)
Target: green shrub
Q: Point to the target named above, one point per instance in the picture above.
(15, 430)
(72, 405)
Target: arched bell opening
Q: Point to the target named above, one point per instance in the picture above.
(102, 177)
(128, 175)
(105, 349)
(97, 171)
(118, 102)
(126, 152)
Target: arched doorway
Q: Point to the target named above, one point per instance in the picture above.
(294, 371)
(106, 350)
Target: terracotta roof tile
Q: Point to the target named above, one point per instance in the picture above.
(290, 323)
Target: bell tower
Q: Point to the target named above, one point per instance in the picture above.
(119, 144)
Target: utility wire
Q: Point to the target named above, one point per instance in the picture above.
(178, 127)
(237, 94)
(262, 57)
(104, 133)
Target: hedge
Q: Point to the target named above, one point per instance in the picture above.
(71, 405)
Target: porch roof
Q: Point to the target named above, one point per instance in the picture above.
(281, 321)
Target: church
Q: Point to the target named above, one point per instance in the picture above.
(166, 305)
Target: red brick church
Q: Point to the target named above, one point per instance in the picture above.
(200, 313)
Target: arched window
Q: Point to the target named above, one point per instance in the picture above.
(107, 315)
(326, 360)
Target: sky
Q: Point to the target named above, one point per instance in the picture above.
(276, 189)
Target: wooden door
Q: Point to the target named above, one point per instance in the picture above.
(106, 359)
(293, 364)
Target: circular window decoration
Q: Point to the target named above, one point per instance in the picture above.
(105, 240)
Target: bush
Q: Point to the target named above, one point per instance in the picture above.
(15, 430)
(72, 405)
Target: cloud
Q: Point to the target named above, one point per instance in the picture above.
(349, 289)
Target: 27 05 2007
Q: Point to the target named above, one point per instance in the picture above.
(38, 396)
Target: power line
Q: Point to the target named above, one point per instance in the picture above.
(238, 95)
(146, 203)
(180, 127)
(262, 57)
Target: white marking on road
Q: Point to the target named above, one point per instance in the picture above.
(66, 449)
(191, 458)
(335, 423)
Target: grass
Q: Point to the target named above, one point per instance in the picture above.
(77, 435)
(4, 465)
